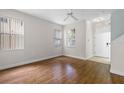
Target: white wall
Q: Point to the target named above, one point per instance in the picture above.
(38, 41)
(117, 59)
(89, 39)
(117, 45)
(79, 50)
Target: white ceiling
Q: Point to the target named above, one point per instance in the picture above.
(58, 15)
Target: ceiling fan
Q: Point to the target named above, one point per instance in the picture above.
(70, 14)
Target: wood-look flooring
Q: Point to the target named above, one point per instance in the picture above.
(61, 70)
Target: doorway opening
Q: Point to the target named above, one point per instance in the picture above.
(99, 39)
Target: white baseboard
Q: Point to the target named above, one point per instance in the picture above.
(6, 66)
(76, 57)
(117, 72)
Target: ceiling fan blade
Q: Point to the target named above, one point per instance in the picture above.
(66, 18)
(70, 11)
(74, 17)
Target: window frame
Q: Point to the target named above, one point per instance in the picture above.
(67, 39)
(56, 38)
(11, 35)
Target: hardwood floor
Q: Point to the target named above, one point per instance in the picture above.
(61, 70)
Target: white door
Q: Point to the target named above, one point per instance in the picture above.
(102, 42)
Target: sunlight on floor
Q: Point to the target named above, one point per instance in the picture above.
(100, 59)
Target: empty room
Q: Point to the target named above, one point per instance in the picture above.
(61, 46)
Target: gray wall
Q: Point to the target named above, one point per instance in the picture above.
(117, 20)
(117, 44)
(38, 41)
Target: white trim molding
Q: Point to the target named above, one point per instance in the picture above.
(117, 72)
(6, 66)
(76, 57)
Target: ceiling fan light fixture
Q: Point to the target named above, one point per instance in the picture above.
(71, 14)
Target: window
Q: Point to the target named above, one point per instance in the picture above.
(11, 33)
(70, 38)
(57, 38)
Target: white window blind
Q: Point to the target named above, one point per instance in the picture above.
(11, 33)
(57, 38)
(70, 38)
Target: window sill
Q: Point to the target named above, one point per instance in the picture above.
(71, 46)
(10, 50)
